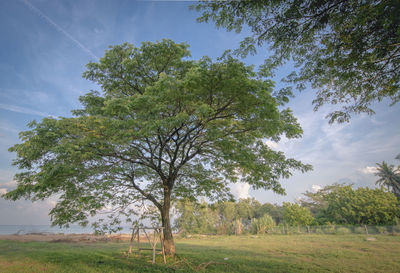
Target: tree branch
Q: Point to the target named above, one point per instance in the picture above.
(148, 196)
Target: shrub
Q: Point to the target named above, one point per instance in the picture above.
(342, 230)
(262, 224)
(359, 230)
(382, 230)
(319, 231)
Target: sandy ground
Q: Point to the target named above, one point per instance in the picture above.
(49, 237)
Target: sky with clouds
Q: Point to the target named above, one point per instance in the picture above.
(46, 44)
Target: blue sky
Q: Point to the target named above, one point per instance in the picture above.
(46, 44)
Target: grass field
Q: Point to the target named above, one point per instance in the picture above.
(270, 253)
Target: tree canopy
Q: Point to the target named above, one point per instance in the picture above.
(296, 215)
(348, 50)
(361, 206)
(163, 127)
(341, 204)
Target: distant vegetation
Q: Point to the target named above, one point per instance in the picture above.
(335, 204)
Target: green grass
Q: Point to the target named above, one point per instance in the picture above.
(273, 253)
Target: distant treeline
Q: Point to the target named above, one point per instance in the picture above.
(336, 204)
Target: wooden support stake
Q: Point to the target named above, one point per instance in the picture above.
(162, 245)
(154, 246)
(138, 241)
(131, 241)
(157, 235)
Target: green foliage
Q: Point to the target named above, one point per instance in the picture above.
(382, 230)
(348, 50)
(339, 203)
(222, 217)
(273, 210)
(295, 215)
(262, 224)
(315, 201)
(247, 208)
(195, 218)
(226, 212)
(359, 230)
(360, 206)
(389, 177)
(342, 230)
(164, 127)
(333, 205)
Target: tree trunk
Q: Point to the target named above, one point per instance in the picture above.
(169, 244)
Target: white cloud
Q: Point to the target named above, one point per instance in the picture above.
(51, 202)
(316, 188)
(368, 170)
(241, 190)
(9, 184)
(271, 144)
(3, 191)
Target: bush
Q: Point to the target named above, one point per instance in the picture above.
(261, 225)
(382, 230)
(342, 230)
(319, 231)
(359, 230)
(329, 229)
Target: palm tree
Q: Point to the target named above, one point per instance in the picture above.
(398, 167)
(389, 177)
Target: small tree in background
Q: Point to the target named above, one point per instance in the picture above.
(275, 211)
(315, 201)
(295, 215)
(226, 212)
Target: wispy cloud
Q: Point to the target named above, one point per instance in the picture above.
(59, 28)
(23, 110)
(368, 170)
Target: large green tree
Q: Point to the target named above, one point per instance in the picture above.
(163, 127)
(315, 201)
(360, 206)
(349, 50)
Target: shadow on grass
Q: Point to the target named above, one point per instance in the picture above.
(77, 257)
